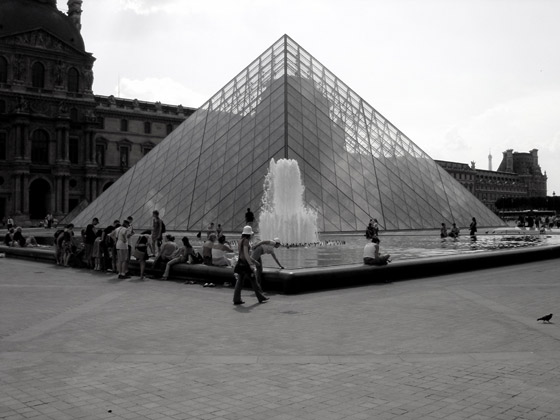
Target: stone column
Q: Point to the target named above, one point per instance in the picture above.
(25, 193)
(58, 194)
(66, 145)
(65, 192)
(17, 193)
(26, 142)
(90, 153)
(94, 186)
(88, 188)
(59, 139)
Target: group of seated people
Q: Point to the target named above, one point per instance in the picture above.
(15, 237)
(214, 252)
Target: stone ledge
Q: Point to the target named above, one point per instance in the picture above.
(320, 278)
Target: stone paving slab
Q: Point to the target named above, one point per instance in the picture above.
(76, 344)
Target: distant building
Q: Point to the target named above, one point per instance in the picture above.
(59, 143)
(519, 175)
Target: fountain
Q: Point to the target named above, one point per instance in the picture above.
(283, 213)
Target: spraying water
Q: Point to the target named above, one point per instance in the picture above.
(283, 212)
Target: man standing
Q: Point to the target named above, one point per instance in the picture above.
(89, 239)
(122, 249)
(157, 231)
(249, 217)
(130, 234)
(264, 247)
(210, 230)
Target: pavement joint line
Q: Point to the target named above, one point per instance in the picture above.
(178, 358)
(507, 311)
(60, 319)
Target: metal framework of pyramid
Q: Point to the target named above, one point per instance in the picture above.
(354, 163)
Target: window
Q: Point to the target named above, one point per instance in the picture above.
(124, 156)
(169, 128)
(146, 149)
(74, 115)
(3, 145)
(147, 127)
(100, 154)
(40, 147)
(38, 75)
(2, 106)
(73, 150)
(124, 125)
(73, 80)
(3, 70)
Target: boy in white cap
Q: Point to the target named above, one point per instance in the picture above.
(264, 247)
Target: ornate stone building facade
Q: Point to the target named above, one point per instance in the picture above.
(60, 144)
(519, 175)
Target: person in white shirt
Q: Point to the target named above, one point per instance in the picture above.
(166, 252)
(371, 253)
(122, 236)
(219, 252)
(261, 248)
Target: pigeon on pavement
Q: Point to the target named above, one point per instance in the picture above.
(545, 318)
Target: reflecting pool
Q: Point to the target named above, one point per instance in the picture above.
(348, 249)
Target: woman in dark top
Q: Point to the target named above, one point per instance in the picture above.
(245, 267)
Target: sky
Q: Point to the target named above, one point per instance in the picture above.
(461, 78)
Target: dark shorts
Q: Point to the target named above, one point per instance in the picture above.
(376, 261)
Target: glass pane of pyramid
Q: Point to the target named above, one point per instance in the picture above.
(354, 163)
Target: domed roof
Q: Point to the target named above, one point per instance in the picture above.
(18, 16)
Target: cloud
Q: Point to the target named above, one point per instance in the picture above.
(530, 119)
(165, 90)
(146, 7)
(524, 123)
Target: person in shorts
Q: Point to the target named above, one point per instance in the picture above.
(122, 234)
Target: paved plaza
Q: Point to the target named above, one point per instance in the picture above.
(77, 344)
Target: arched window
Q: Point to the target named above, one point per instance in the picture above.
(3, 70)
(40, 147)
(38, 75)
(169, 128)
(73, 80)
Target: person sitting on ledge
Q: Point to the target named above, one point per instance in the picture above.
(454, 232)
(207, 249)
(20, 240)
(165, 252)
(9, 238)
(179, 256)
(443, 231)
(371, 253)
(219, 251)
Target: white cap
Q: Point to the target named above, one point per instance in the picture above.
(247, 230)
(277, 240)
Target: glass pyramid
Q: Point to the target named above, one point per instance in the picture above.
(354, 163)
